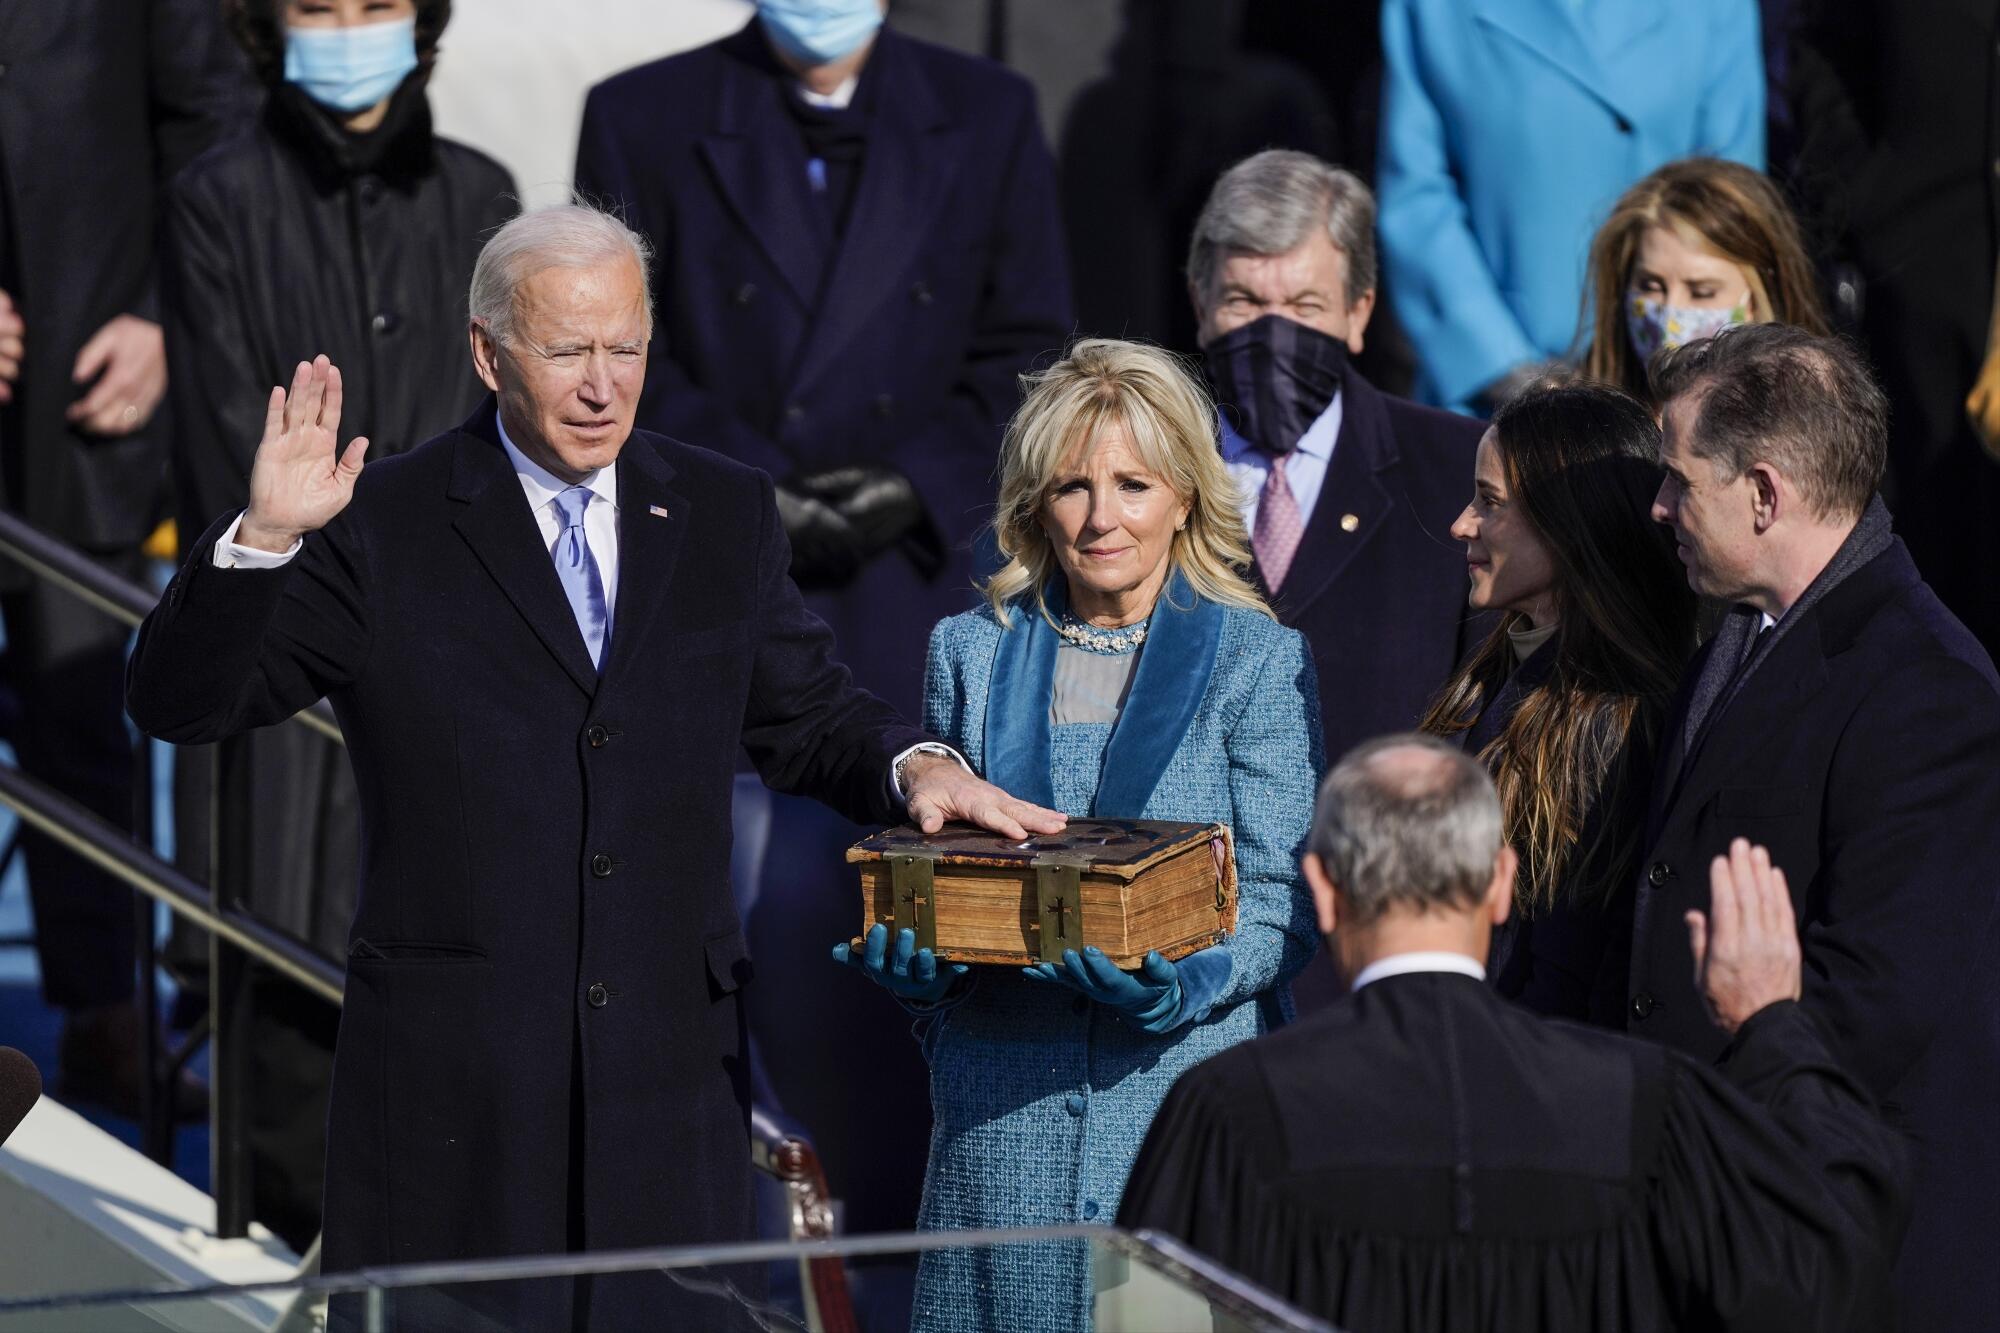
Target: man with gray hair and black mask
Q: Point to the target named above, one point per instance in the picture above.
(1349, 494)
(546, 635)
(1423, 1155)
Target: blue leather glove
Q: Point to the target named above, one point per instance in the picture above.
(908, 973)
(1159, 997)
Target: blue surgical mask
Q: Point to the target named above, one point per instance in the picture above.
(818, 32)
(351, 69)
(1652, 324)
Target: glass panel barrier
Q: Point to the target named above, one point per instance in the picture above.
(1131, 1283)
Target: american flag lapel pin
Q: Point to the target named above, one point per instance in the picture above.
(658, 511)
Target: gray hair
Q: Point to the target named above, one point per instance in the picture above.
(1774, 393)
(1407, 821)
(573, 235)
(1269, 203)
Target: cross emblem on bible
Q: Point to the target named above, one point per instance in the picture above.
(1062, 909)
(912, 900)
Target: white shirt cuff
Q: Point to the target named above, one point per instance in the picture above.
(229, 555)
(925, 747)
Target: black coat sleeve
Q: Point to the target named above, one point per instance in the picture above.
(1780, 1193)
(230, 649)
(809, 729)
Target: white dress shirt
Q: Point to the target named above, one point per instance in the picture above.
(1305, 470)
(1423, 960)
(600, 522)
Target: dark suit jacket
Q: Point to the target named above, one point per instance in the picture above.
(546, 855)
(101, 101)
(902, 348)
(1383, 604)
(1865, 753)
(1426, 1156)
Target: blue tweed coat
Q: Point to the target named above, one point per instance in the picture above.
(1040, 1097)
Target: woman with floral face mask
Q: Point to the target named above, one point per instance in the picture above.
(1696, 246)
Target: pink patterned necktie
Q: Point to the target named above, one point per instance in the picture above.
(1279, 526)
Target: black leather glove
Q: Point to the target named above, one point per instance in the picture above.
(883, 508)
(826, 550)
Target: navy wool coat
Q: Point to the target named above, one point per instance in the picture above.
(545, 902)
(900, 347)
(1865, 753)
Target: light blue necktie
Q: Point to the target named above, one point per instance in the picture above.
(577, 568)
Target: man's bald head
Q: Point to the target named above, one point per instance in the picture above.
(1407, 821)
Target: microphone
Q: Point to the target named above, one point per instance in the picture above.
(20, 1089)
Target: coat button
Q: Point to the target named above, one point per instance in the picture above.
(384, 323)
(1642, 1005)
(1073, 1104)
(885, 405)
(794, 412)
(1090, 1208)
(371, 189)
(745, 294)
(600, 865)
(1659, 874)
(598, 996)
(920, 292)
(597, 736)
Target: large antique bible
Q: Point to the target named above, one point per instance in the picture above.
(1128, 886)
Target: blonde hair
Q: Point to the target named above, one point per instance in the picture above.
(1725, 208)
(1171, 424)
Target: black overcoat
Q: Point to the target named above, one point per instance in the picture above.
(101, 101)
(1865, 753)
(898, 345)
(545, 896)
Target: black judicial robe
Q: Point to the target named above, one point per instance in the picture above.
(1425, 1156)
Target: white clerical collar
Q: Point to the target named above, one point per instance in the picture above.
(837, 99)
(1423, 960)
(542, 485)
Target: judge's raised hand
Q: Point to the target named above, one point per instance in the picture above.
(1746, 948)
(300, 477)
(937, 789)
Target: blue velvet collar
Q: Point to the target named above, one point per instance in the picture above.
(1173, 673)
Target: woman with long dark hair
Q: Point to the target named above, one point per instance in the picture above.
(1565, 699)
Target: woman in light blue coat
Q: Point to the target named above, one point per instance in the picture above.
(1509, 129)
(1122, 669)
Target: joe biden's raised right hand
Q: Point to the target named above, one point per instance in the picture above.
(300, 477)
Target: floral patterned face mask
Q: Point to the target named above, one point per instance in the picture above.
(1652, 324)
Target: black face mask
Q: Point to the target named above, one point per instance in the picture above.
(1274, 376)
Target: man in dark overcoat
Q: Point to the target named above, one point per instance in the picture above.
(857, 254)
(858, 251)
(101, 101)
(546, 636)
(1349, 493)
(1842, 717)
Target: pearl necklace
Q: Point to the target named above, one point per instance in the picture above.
(1092, 639)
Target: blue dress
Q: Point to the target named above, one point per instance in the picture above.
(1041, 1097)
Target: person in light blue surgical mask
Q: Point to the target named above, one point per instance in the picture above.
(348, 56)
(822, 33)
(1695, 247)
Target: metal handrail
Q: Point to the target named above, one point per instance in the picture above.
(121, 599)
(111, 849)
